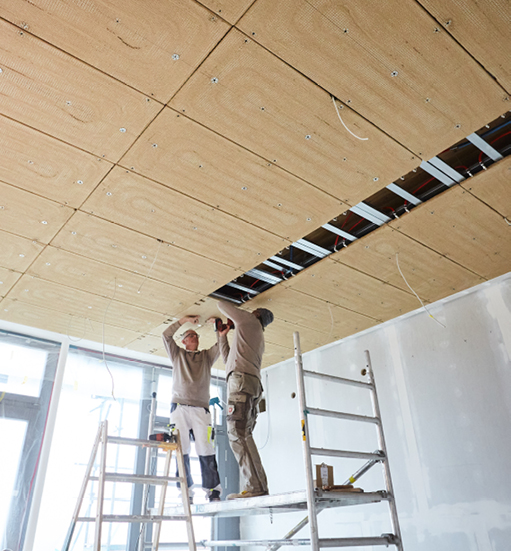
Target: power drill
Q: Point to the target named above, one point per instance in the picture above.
(221, 326)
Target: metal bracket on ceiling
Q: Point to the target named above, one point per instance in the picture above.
(243, 288)
(485, 147)
(373, 215)
(285, 262)
(446, 169)
(311, 248)
(263, 276)
(337, 231)
(404, 194)
(221, 296)
(438, 174)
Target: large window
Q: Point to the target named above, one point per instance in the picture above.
(94, 389)
(27, 373)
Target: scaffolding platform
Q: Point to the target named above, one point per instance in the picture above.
(278, 503)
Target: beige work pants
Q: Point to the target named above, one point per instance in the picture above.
(243, 395)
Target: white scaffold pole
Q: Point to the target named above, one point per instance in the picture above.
(311, 504)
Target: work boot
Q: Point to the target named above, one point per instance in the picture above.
(248, 493)
(214, 495)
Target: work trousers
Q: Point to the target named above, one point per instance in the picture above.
(197, 420)
(244, 393)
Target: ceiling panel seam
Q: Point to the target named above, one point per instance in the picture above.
(438, 252)
(345, 106)
(266, 230)
(485, 204)
(74, 146)
(115, 300)
(181, 114)
(69, 314)
(339, 306)
(37, 37)
(446, 29)
(201, 63)
(140, 233)
(118, 268)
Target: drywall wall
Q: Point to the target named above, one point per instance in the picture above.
(445, 396)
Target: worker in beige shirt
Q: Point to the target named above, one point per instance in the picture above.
(243, 371)
(189, 410)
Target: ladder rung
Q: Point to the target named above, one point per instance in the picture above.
(352, 455)
(139, 442)
(134, 518)
(333, 379)
(386, 539)
(340, 415)
(138, 478)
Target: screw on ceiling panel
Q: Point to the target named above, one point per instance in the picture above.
(214, 80)
(457, 126)
(155, 145)
(308, 137)
(175, 57)
(80, 182)
(122, 130)
(447, 23)
(394, 74)
(375, 179)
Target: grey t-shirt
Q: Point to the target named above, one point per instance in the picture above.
(192, 370)
(246, 353)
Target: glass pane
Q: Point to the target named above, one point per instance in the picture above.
(12, 437)
(21, 369)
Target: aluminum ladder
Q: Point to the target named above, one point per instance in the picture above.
(371, 458)
(103, 439)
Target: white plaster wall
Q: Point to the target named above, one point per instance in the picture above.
(445, 396)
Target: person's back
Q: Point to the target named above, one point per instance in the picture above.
(243, 371)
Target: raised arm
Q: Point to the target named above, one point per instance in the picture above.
(170, 344)
(229, 310)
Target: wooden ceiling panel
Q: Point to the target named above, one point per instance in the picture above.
(107, 242)
(493, 187)
(281, 333)
(55, 93)
(7, 280)
(308, 311)
(75, 327)
(483, 28)
(148, 344)
(156, 210)
(38, 163)
(275, 353)
(188, 157)
(354, 290)
(245, 93)
(230, 10)
(17, 253)
(94, 277)
(391, 60)
(464, 229)
(132, 41)
(28, 215)
(52, 296)
(430, 275)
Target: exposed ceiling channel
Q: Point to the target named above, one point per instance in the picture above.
(436, 176)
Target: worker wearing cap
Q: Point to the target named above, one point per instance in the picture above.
(243, 371)
(189, 410)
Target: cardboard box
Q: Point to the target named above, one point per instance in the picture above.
(324, 475)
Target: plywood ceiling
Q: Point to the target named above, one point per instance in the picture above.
(152, 152)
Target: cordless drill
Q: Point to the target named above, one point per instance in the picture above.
(221, 326)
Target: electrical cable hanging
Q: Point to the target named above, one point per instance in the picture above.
(151, 268)
(339, 115)
(104, 357)
(423, 305)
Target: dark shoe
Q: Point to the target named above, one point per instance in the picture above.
(214, 495)
(247, 493)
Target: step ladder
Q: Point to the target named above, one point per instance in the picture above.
(104, 440)
(379, 456)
